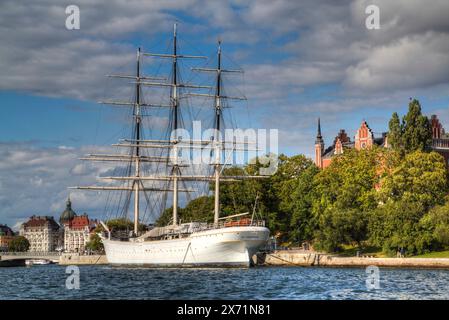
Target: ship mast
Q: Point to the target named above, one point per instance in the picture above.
(137, 137)
(217, 138)
(218, 143)
(137, 145)
(175, 101)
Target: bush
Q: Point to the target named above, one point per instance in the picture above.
(19, 244)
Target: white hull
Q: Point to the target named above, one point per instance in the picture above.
(37, 262)
(233, 246)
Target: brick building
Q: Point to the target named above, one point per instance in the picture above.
(6, 236)
(440, 140)
(365, 138)
(77, 233)
(76, 228)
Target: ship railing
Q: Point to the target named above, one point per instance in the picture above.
(229, 224)
(188, 228)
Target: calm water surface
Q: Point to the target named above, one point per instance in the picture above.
(105, 282)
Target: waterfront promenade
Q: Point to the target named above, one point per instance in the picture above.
(8, 256)
(315, 259)
(276, 258)
(55, 257)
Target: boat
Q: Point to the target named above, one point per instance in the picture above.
(31, 262)
(228, 241)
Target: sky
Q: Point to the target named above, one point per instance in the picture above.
(302, 60)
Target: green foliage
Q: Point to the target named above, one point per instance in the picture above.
(199, 209)
(19, 244)
(397, 224)
(123, 224)
(384, 198)
(239, 197)
(413, 186)
(338, 227)
(417, 132)
(235, 197)
(94, 244)
(284, 200)
(437, 222)
(395, 132)
(344, 192)
(292, 186)
(420, 177)
(414, 133)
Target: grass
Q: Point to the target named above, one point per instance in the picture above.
(435, 254)
(376, 252)
(351, 251)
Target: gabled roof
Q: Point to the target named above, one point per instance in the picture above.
(41, 221)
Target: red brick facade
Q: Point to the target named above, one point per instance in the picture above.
(364, 138)
(440, 140)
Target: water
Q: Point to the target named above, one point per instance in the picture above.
(105, 282)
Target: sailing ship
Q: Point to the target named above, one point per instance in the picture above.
(228, 241)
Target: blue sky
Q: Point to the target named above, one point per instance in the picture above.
(302, 60)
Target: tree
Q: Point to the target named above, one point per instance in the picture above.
(417, 132)
(397, 224)
(436, 221)
(199, 209)
(293, 188)
(420, 177)
(19, 244)
(123, 224)
(95, 244)
(395, 132)
(350, 179)
(414, 133)
(338, 226)
(235, 197)
(344, 193)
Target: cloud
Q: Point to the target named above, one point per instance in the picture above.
(43, 57)
(320, 42)
(35, 181)
(411, 62)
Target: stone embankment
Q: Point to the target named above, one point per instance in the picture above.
(75, 259)
(309, 259)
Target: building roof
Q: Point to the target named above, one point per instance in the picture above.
(78, 222)
(330, 151)
(68, 214)
(319, 137)
(41, 221)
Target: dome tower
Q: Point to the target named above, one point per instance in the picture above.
(68, 214)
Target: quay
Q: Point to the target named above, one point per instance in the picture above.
(17, 259)
(277, 258)
(76, 259)
(22, 256)
(315, 259)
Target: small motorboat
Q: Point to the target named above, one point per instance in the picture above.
(37, 262)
